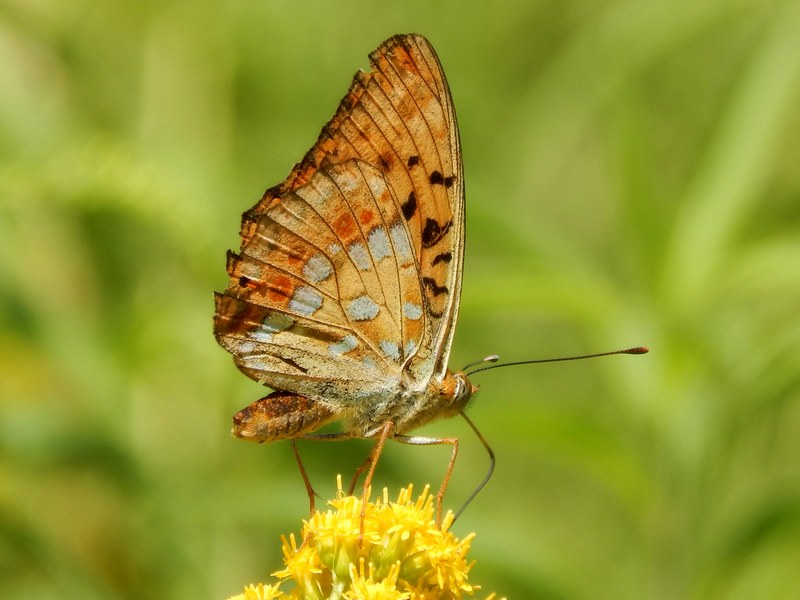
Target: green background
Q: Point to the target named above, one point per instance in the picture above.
(633, 177)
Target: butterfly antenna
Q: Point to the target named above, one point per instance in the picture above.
(488, 476)
(637, 350)
(490, 359)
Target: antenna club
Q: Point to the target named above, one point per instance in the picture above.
(638, 350)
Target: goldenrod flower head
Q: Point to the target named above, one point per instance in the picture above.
(259, 592)
(400, 555)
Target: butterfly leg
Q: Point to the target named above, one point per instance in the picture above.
(327, 437)
(318, 437)
(372, 461)
(374, 455)
(309, 488)
(426, 441)
(362, 467)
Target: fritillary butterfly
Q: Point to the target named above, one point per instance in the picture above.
(345, 293)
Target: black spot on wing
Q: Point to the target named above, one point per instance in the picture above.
(292, 363)
(435, 289)
(444, 257)
(436, 178)
(448, 181)
(413, 161)
(409, 207)
(246, 282)
(433, 232)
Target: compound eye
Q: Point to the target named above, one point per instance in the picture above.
(462, 387)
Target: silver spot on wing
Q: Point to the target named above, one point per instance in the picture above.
(359, 255)
(317, 269)
(412, 311)
(305, 300)
(362, 308)
(379, 244)
(390, 349)
(348, 343)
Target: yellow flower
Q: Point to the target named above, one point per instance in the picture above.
(366, 588)
(399, 555)
(259, 592)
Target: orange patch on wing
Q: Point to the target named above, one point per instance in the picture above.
(280, 289)
(366, 216)
(344, 227)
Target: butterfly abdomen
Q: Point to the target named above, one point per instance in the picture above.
(280, 416)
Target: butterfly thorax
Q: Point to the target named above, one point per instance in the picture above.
(443, 398)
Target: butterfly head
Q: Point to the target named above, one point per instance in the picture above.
(458, 390)
(445, 398)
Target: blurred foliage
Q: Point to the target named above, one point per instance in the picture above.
(632, 178)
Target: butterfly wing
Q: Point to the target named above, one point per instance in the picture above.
(349, 275)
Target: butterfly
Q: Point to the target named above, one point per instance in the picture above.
(345, 293)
